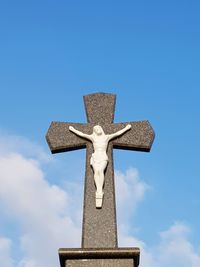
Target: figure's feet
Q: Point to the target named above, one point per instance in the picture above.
(99, 200)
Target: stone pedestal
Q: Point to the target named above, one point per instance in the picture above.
(109, 257)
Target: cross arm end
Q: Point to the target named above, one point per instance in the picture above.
(140, 137)
(60, 139)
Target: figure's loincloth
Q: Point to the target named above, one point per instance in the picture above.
(98, 158)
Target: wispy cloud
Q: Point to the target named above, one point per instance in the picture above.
(21, 145)
(175, 248)
(5, 252)
(130, 189)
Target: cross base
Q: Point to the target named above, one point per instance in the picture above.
(99, 257)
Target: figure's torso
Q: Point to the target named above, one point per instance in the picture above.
(100, 143)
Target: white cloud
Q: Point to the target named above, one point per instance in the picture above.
(5, 252)
(23, 146)
(40, 209)
(175, 249)
(130, 191)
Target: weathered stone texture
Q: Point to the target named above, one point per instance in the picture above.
(100, 263)
(99, 225)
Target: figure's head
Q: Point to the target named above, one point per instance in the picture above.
(97, 129)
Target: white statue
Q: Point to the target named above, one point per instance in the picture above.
(99, 158)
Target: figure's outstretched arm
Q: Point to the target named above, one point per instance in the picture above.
(120, 132)
(87, 136)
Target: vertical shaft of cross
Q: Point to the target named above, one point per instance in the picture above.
(99, 228)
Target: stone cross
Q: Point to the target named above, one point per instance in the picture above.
(99, 229)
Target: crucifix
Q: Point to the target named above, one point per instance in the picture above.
(100, 135)
(99, 158)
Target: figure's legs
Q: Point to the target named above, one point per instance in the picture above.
(99, 181)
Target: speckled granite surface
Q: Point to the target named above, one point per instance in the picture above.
(100, 263)
(99, 225)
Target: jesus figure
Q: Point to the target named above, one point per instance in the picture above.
(99, 158)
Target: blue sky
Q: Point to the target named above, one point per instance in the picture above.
(147, 53)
